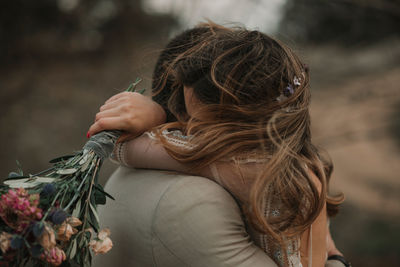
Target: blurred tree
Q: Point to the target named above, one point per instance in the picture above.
(341, 21)
(65, 27)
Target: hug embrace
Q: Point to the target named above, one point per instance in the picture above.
(230, 105)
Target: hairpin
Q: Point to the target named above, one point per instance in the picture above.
(289, 89)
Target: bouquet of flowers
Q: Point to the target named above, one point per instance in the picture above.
(50, 218)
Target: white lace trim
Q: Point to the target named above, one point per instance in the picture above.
(177, 138)
(119, 153)
(174, 137)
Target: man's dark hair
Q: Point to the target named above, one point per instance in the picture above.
(178, 45)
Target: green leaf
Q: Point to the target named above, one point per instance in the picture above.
(62, 158)
(94, 213)
(73, 249)
(99, 198)
(16, 177)
(129, 88)
(132, 87)
(85, 166)
(87, 262)
(100, 188)
(24, 183)
(44, 180)
(66, 171)
(77, 209)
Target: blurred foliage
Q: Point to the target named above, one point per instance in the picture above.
(65, 27)
(349, 22)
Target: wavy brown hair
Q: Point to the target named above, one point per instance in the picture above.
(238, 75)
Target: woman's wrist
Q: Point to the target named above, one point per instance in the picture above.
(118, 155)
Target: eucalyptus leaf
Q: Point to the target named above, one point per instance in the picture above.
(73, 249)
(99, 198)
(17, 177)
(62, 158)
(66, 171)
(86, 164)
(44, 180)
(77, 209)
(23, 183)
(94, 212)
(100, 188)
(83, 242)
(84, 159)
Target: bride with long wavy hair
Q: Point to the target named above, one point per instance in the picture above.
(241, 102)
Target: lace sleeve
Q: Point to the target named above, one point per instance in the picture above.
(174, 137)
(118, 154)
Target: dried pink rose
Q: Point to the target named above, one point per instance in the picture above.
(65, 231)
(54, 256)
(73, 221)
(67, 228)
(18, 209)
(103, 244)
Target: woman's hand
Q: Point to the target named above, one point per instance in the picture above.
(133, 113)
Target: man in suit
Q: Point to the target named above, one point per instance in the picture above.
(173, 220)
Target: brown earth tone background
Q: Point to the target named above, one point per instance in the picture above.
(60, 60)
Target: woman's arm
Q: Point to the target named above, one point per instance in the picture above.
(144, 152)
(130, 112)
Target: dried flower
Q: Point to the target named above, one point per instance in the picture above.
(54, 256)
(58, 216)
(103, 243)
(37, 229)
(67, 228)
(296, 81)
(48, 239)
(70, 186)
(289, 90)
(48, 190)
(18, 209)
(73, 221)
(17, 242)
(5, 241)
(65, 231)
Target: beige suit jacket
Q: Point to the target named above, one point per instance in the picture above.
(171, 220)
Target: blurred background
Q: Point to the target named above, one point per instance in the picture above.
(61, 59)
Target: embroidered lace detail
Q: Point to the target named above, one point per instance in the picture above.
(174, 137)
(118, 154)
(293, 249)
(177, 138)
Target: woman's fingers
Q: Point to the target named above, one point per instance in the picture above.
(108, 123)
(131, 112)
(113, 112)
(118, 96)
(113, 104)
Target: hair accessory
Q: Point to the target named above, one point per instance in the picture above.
(289, 89)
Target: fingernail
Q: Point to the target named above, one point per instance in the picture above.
(88, 135)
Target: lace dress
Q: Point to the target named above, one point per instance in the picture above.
(292, 252)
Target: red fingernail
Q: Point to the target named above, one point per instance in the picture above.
(88, 135)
